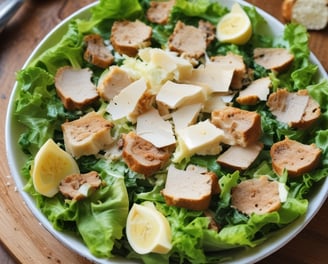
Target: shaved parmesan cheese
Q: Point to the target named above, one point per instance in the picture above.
(203, 138)
(213, 77)
(240, 158)
(175, 95)
(126, 102)
(214, 102)
(186, 115)
(152, 127)
(228, 97)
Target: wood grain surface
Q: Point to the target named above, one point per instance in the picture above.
(22, 238)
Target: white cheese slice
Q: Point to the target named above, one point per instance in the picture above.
(175, 95)
(214, 102)
(228, 97)
(125, 103)
(239, 157)
(152, 127)
(213, 77)
(169, 61)
(185, 115)
(203, 138)
(294, 108)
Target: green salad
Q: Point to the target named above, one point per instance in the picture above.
(99, 219)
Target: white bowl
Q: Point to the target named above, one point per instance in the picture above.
(17, 159)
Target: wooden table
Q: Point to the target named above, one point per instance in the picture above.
(23, 239)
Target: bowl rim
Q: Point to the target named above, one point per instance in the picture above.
(252, 255)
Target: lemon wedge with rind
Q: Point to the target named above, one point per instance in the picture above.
(234, 27)
(51, 164)
(148, 231)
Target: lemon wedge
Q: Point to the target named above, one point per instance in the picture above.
(148, 230)
(51, 165)
(234, 27)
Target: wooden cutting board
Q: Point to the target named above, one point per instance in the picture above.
(21, 234)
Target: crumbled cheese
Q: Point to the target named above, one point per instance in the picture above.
(169, 61)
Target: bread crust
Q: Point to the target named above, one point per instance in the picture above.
(312, 14)
(286, 9)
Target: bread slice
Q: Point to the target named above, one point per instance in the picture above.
(87, 135)
(259, 196)
(241, 127)
(295, 157)
(189, 189)
(297, 109)
(312, 14)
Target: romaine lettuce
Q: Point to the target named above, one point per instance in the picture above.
(100, 219)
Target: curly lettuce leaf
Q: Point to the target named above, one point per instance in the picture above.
(194, 10)
(99, 219)
(37, 108)
(110, 10)
(297, 39)
(303, 72)
(116, 9)
(102, 218)
(321, 141)
(68, 51)
(319, 92)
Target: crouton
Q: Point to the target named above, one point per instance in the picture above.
(188, 40)
(87, 135)
(96, 52)
(142, 156)
(74, 88)
(275, 59)
(259, 196)
(295, 157)
(128, 37)
(241, 127)
(189, 189)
